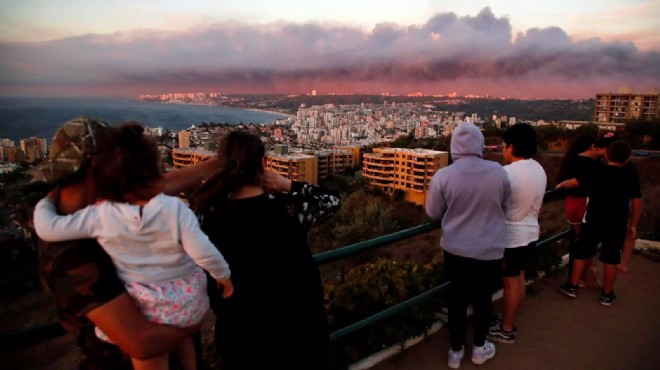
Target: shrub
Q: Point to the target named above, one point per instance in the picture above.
(372, 288)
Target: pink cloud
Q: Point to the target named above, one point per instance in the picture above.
(470, 54)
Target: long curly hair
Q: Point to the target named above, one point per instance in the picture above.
(241, 155)
(127, 165)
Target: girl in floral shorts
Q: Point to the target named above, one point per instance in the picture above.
(153, 239)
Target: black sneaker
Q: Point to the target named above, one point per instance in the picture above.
(499, 335)
(569, 290)
(606, 299)
(495, 323)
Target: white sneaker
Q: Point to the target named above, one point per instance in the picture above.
(454, 360)
(483, 353)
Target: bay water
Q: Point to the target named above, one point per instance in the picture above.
(22, 117)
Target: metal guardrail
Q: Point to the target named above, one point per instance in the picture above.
(15, 341)
(402, 306)
(381, 241)
(339, 253)
(34, 335)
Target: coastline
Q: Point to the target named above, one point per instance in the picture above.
(24, 121)
(220, 106)
(271, 111)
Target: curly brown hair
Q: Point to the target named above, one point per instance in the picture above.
(127, 166)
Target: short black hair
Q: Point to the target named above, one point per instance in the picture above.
(523, 138)
(606, 139)
(618, 152)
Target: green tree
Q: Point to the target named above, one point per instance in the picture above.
(588, 129)
(361, 217)
(635, 130)
(404, 141)
(546, 134)
(371, 288)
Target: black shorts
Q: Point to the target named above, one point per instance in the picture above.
(516, 260)
(612, 238)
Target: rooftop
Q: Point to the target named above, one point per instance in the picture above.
(195, 151)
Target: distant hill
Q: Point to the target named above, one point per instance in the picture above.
(547, 110)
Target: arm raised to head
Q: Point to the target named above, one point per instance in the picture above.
(184, 179)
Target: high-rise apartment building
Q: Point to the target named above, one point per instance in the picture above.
(332, 162)
(184, 139)
(298, 167)
(14, 154)
(626, 105)
(408, 170)
(184, 157)
(34, 148)
(354, 149)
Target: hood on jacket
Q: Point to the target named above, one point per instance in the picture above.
(467, 140)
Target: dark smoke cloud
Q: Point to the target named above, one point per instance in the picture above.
(448, 53)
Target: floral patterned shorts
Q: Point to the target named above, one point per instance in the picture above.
(179, 302)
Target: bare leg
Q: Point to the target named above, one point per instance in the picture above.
(590, 275)
(578, 269)
(156, 363)
(186, 354)
(576, 228)
(513, 296)
(628, 247)
(609, 277)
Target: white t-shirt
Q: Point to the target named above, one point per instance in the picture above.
(528, 182)
(160, 242)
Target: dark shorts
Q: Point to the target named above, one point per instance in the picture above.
(516, 260)
(611, 238)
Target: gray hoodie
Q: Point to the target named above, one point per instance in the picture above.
(470, 196)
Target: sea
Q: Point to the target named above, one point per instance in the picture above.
(22, 117)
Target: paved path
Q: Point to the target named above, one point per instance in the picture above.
(556, 332)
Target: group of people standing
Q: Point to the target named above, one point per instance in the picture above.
(490, 225)
(133, 269)
(119, 253)
(603, 206)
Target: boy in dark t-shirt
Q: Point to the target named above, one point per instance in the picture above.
(613, 190)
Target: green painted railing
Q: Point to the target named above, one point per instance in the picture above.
(402, 306)
(381, 241)
(339, 253)
(14, 341)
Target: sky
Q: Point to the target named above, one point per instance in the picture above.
(526, 49)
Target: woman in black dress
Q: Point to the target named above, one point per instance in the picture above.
(259, 222)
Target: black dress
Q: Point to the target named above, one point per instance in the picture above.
(276, 317)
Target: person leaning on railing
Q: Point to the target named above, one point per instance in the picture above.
(80, 277)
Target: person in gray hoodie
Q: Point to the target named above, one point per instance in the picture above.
(470, 197)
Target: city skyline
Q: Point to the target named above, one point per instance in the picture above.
(501, 48)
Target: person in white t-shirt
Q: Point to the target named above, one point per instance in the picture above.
(528, 183)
